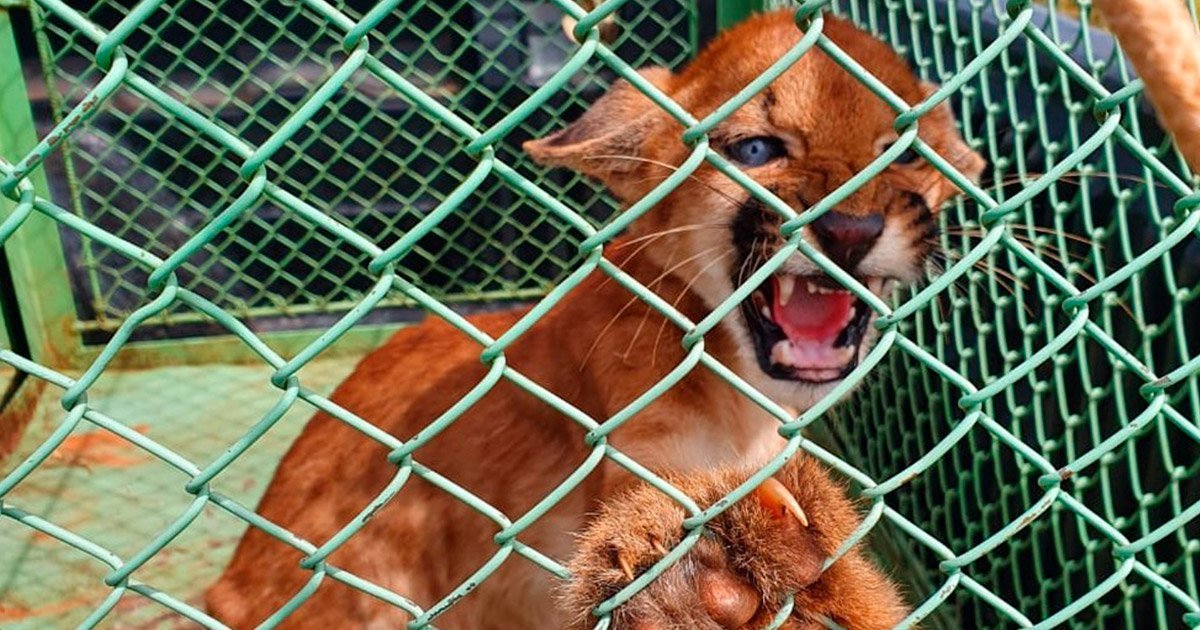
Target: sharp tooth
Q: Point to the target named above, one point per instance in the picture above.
(787, 285)
(766, 313)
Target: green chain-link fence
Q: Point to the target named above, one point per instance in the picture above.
(378, 167)
(1026, 430)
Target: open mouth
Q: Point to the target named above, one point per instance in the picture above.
(808, 328)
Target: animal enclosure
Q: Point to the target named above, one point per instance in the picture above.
(209, 209)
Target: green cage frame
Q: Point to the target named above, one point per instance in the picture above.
(977, 413)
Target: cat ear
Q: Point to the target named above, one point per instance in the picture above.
(605, 142)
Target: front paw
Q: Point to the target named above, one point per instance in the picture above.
(629, 535)
(736, 576)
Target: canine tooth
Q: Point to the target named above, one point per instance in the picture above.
(766, 313)
(780, 354)
(787, 285)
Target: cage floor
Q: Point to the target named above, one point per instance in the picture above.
(115, 494)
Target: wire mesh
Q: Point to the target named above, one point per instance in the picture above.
(1033, 435)
(378, 167)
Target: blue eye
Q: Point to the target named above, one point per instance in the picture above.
(756, 151)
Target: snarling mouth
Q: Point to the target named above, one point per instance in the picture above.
(808, 328)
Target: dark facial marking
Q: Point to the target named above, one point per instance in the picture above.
(923, 224)
(768, 103)
(753, 224)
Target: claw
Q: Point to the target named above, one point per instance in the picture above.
(658, 546)
(626, 566)
(775, 496)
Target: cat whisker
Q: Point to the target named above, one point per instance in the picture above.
(670, 167)
(638, 332)
(694, 227)
(650, 285)
(648, 240)
(1001, 277)
(1078, 238)
(678, 297)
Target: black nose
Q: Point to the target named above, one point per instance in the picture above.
(846, 239)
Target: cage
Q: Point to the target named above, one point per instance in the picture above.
(198, 197)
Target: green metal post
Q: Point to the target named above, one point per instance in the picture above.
(34, 252)
(5, 340)
(730, 12)
(1014, 415)
(7, 373)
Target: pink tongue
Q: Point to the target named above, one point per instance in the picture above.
(812, 316)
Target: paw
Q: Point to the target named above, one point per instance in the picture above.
(739, 571)
(626, 543)
(638, 553)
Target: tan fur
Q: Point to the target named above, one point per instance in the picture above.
(1160, 38)
(599, 349)
(770, 553)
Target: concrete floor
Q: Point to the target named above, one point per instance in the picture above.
(117, 495)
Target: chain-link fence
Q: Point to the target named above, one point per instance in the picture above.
(1025, 431)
